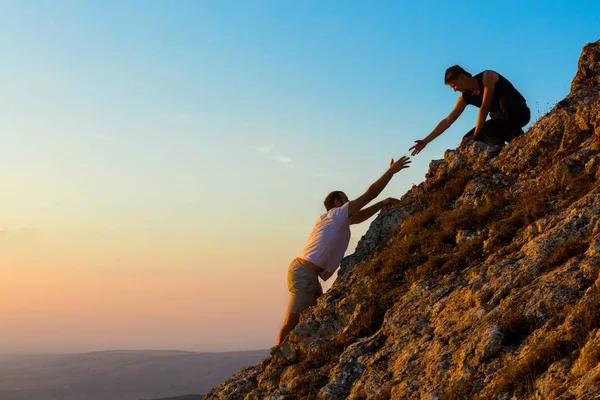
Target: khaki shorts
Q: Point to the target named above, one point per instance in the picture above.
(304, 287)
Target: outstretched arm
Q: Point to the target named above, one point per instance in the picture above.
(377, 187)
(444, 124)
(368, 212)
(489, 82)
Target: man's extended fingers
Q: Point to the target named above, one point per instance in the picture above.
(401, 163)
(404, 162)
(416, 149)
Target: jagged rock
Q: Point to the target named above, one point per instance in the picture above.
(588, 69)
(490, 345)
(463, 236)
(483, 283)
(480, 154)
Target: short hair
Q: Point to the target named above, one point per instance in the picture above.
(453, 72)
(331, 198)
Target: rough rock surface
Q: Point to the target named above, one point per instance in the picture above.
(482, 284)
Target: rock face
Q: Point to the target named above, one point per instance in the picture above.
(482, 284)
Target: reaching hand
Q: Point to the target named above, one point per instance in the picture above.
(396, 166)
(419, 145)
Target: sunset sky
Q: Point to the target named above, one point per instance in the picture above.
(162, 162)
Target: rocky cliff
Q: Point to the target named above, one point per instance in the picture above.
(481, 284)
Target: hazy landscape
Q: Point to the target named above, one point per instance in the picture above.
(117, 375)
(173, 173)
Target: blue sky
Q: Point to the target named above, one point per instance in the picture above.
(200, 137)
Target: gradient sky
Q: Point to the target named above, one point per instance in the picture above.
(163, 162)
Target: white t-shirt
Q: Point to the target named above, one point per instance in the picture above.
(328, 240)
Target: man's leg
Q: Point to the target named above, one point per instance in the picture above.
(517, 115)
(492, 133)
(291, 320)
(305, 289)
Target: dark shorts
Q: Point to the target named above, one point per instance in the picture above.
(504, 125)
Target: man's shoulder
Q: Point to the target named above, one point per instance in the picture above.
(339, 212)
(334, 214)
(489, 73)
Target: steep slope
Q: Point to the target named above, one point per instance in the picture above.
(483, 283)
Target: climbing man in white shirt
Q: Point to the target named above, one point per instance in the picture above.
(327, 244)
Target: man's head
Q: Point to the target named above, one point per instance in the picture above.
(458, 79)
(335, 199)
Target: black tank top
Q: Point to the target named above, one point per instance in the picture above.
(502, 88)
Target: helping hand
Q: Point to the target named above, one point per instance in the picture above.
(419, 145)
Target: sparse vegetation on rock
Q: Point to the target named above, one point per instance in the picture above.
(481, 284)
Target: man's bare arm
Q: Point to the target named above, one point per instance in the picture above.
(368, 212)
(489, 82)
(441, 127)
(378, 186)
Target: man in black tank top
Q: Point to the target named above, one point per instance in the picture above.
(494, 95)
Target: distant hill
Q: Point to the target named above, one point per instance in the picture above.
(118, 375)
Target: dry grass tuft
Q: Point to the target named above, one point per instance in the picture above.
(515, 325)
(460, 390)
(520, 375)
(566, 250)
